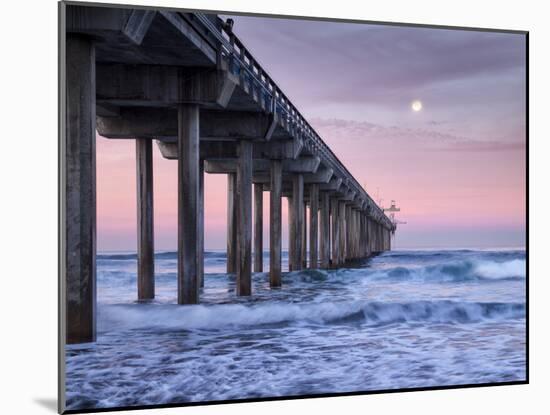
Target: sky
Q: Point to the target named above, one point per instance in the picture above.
(456, 168)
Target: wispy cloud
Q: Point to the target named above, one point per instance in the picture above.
(430, 138)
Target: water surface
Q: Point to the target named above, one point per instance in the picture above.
(402, 319)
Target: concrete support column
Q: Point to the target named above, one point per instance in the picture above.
(334, 213)
(79, 203)
(343, 234)
(348, 234)
(188, 204)
(291, 235)
(145, 228)
(313, 225)
(244, 221)
(359, 219)
(297, 219)
(258, 227)
(356, 233)
(275, 228)
(231, 223)
(325, 230)
(361, 235)
(365, 235)
(200, 240)
(375, 236)
(304, 236)
(368, 235)
(379, 236)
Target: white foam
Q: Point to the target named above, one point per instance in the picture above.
(506, 269)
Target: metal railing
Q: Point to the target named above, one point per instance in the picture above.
(272, 99)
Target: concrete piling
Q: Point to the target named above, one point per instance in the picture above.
(304, 236)
(291, 234)
(231, 223)
(258, 227)
(244, 222)
(342, 232)
(275, 227)
(313, 225)
(79, 206)
(145, 228)
(325, 230)
(334, 213)
(188, 204)
(297, 220)
(200, 239)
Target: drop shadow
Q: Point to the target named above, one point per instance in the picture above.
(48, 403)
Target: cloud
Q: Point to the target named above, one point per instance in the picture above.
(366, 63)
(430, 138)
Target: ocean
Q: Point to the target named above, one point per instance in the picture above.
(402, 319)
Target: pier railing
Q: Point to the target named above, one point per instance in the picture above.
(273, 100)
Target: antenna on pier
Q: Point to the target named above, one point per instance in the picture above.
(392, 209)
(379, 200)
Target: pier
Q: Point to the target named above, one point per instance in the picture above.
(187, 83)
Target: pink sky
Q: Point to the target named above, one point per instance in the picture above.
(456, 168)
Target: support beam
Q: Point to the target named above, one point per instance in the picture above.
(334, 213)
(244, 221)
(258, 227)
(313, 225)
(200, 240)
(188, 204)
(291, 234)
(297, 219)
(348, 233)
(304, 236)
(79, 203)
(145, 227)
(342, 231)
(325, 230)
(231, 223)
(275, 227)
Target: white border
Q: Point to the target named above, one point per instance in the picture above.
(28, 222)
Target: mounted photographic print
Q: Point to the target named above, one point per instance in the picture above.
(256, 207)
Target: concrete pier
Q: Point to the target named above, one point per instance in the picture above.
(231, 223)
(313, 225)
(244, 222)
(325, 230)
(145, 228)
(297, 218)
(342, 252)
(200, 238)
(80, 190)
(275, 228)
(334, 213)
(291, 234)
(258, 227)
(304, 235)
(188, 204)
(205, 102)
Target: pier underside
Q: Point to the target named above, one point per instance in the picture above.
(186, 83)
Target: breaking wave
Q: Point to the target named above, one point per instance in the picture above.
(219, 317)
(458, 271)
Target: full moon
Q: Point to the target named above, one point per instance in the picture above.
(416, 105)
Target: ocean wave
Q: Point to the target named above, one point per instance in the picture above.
(141, 316)
(457, 271)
